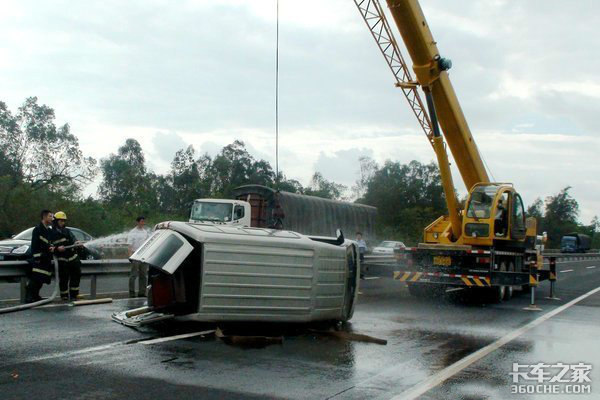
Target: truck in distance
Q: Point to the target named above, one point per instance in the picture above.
(262, 207)
(575, 243)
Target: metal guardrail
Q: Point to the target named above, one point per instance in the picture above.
(16, 271)
(571, 256)
(377, 259)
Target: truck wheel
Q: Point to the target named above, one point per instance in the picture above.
(497, 293)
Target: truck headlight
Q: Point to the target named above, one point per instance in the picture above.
(21, 249)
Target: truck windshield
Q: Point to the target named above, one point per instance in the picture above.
(211, 212)
(568, 241)
(480, 203)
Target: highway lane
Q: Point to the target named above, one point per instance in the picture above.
(78, 352)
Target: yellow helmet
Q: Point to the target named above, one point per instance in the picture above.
(60, 215)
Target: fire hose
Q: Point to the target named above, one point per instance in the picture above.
(27, 306)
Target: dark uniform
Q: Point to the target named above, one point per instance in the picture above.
(69, 265)
(41, 263)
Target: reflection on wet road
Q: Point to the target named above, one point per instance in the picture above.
(78, 352)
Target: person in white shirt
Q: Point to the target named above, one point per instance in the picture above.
(362, 249)
(136, 237)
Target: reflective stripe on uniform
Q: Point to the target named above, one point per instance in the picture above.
(43, 239)
(41, 271)
(74, 288)
(64, 292)
(67, 259)
(60, 240)
(37, 255)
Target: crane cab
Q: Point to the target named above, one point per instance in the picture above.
(495, 216)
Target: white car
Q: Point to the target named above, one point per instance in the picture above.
(387, 247)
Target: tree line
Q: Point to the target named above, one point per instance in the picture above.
(42, 166)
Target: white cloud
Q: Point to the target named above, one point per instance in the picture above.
(203, 71)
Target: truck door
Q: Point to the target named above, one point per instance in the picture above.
(165, 250)
(517, 218)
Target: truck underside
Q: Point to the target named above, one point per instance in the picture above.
(430, 269)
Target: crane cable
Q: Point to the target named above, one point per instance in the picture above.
(277, 102)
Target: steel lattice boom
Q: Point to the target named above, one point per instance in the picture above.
(374, 17)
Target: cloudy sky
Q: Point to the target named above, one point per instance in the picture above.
(174, 73)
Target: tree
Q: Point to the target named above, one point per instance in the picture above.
(190, 179)
(289, 185)
(321, 187)
(368, 168)
(234, 167)
(594, 232)
(560, 217)
(36, 151)
(125, 180)
(408, 197)
(535, 209)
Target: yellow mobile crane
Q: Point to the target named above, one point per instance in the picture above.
(490, 244)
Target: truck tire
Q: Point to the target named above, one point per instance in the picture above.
(496, 294)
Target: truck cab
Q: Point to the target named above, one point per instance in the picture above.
(221, 212)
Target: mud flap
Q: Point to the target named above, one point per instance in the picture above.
(140, 316)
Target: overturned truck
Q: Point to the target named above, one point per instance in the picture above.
(215, 273)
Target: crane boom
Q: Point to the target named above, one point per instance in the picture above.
(431, 74)
(374, 17)
(493, 221)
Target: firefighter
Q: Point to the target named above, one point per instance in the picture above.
(41, 261)
(69, 265)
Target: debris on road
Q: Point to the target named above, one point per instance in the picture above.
(351, 336)
(249, 341)
(90, 302)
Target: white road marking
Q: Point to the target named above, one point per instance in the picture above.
(368, 278)
(176, 337)
(573, 261)
(566, 270)
(458, 366)
(66, 353)
(590, 267)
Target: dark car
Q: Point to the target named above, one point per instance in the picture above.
(19, 247)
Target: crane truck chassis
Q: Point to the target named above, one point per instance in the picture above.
(489, 245)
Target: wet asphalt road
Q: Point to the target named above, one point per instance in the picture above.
(65, 352)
